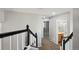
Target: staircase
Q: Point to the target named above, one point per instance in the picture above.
(26, 45)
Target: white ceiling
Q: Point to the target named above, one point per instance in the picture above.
(40, 11)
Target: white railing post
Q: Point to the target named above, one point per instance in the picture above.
(0, 44)
(17, 43)
(10, 43)
(23, 40)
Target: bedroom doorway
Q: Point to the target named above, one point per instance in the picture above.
(61, 30)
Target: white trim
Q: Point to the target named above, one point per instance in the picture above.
(22, 41)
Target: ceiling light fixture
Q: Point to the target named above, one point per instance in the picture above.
(53, 13)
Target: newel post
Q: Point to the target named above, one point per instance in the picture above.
(36, 40)
(28, 35)
(63, 44)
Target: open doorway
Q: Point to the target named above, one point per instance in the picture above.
(45, 40)
(61, 30)
(46, 29)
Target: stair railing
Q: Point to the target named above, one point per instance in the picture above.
(2, 35)
(67, 39)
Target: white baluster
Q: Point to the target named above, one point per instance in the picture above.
(10, 43)
(23, 36)
(22, 41)
(17, 43)
(0, 44)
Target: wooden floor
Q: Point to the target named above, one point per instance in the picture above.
(48, 45)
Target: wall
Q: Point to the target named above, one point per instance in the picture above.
(16, 21)
(1, 15)
(76, 29)
(53, 31)
(0, 39)
(1, 20)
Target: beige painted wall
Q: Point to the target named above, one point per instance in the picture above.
(16, 21)
(1, 20)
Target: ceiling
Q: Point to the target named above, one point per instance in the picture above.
(40, 11)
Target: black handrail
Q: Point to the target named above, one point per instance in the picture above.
(65, 41)
(2, 35)
(32, 33)
(69, 37)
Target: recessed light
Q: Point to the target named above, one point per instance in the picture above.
(53, 13)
